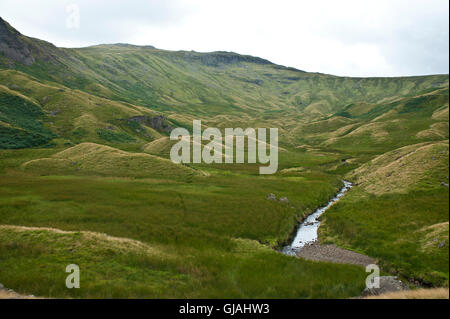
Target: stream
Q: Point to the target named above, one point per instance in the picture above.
(307, 231)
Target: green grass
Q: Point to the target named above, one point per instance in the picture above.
(23, 123)
(107, 270)
(196, 223)
(213, 221)
(390, 228)
(215, 208)
(114, 137)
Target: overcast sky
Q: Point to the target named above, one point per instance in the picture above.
(345, 37)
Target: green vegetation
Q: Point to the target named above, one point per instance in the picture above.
(118, 268)
(20, 124)
(114, 137)
(196, 223)
(395, 229)
(100, 160)
(399, 213)
(77, 154)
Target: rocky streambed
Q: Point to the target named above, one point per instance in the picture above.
(307, 231)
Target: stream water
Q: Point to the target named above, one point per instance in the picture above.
(307, 231)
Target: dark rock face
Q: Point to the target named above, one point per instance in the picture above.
(24, 50)
(220, 57)
(255, 81)
(158, 122)
(13, 46)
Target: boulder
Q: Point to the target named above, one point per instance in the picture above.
(441, 244)
(387, 284)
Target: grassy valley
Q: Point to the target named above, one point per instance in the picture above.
(85, 174)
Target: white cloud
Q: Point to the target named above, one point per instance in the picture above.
(346, 37)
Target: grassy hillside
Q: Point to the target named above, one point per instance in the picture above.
(399, 212)
(21, 121)
(121, 268)
(84, 148)
(100, 160)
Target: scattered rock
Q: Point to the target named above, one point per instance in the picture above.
(254, 81)
(284, 200)
(331, 253)
(1, 286)
(356, 85)
(54, 113)
(222, 58)
(444, 184)
(387, 284)
(441, 244)
(271, 197)
(45, 99)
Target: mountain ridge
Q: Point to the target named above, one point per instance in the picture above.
(221, 88)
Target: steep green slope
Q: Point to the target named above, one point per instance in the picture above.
(398, 212)
(75, 116)
(207, 84)
(84, 147)
(21, 121)
(380, 127)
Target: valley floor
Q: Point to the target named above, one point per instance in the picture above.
(86, 176)
(210, 235)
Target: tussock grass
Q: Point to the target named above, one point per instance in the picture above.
(118, 267)
(95, 159)
(396, 229)
(405, 168)
(104, 174)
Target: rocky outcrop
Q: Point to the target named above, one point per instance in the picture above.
(13, 46)
(387, 284)
(158, 122)
(222, 57)
(24, 50)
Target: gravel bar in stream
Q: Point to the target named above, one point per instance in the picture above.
(334, 254)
